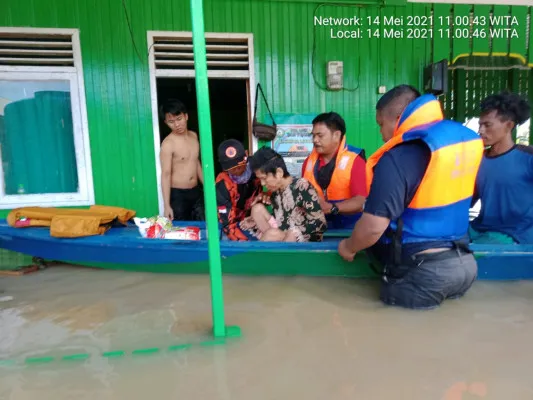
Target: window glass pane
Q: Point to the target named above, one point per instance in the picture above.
(523, 133)
(37, 137)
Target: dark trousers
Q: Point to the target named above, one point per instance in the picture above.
(187, 204)
(431, 279)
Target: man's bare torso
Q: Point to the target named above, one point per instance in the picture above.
(185, 151)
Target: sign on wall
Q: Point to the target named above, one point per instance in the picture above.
(294, 141)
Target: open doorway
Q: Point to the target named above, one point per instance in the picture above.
(229, 108)
(231, 81)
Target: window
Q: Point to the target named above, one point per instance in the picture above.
(44, 139)
(522, 131)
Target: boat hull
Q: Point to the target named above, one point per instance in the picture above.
(125, 249)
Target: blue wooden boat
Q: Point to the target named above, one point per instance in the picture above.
(124, 249)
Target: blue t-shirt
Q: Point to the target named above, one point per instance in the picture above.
(505, 187)
(397, 177)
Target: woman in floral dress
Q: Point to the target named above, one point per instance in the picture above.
(298, 216)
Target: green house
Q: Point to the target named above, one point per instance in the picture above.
(81, 80)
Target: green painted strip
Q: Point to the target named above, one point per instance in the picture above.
(72, 357)
(215, 342)
(500, 44)
(113, 354)
(179, 347)
(231, 332)
(481, 40)
(356, 2)
(519, 38)
(530, 53)
(146, 351)
(39, 360)
(338, 234)
(460, 33)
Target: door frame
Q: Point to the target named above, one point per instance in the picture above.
(248, 76)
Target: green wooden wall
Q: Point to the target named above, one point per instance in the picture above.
(117, 82)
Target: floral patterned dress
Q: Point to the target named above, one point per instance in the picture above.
(296, 208)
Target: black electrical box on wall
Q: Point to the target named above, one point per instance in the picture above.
(436, 78)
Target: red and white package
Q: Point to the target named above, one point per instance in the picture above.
(161, 228)
(184, 233)
(155, 231)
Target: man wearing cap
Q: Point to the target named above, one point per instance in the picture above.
(236, 188)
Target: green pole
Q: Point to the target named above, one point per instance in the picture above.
(206, 148)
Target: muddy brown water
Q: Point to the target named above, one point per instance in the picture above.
(303, 338)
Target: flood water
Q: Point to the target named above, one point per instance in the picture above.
(302, 338)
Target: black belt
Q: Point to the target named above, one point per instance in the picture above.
(418, 259)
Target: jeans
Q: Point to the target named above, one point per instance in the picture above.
(432, 279)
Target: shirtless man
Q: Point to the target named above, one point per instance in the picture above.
(180, 166)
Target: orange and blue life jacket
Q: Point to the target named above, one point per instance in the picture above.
(338, 188)
(439, 210)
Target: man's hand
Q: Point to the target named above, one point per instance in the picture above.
(325, 206)
(169, 213)
(261, 198)
(266, 199)
(344, 250)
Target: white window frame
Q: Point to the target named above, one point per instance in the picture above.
(85, 194)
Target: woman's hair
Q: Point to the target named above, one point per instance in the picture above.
(508, 106)
(268, 161)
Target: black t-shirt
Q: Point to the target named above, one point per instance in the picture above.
(397, 176)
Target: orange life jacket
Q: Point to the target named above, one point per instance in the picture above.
(440, 207)
(339, 187)
(70, 222)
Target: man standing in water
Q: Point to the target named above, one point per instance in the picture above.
(415, 219)
(180, 166)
